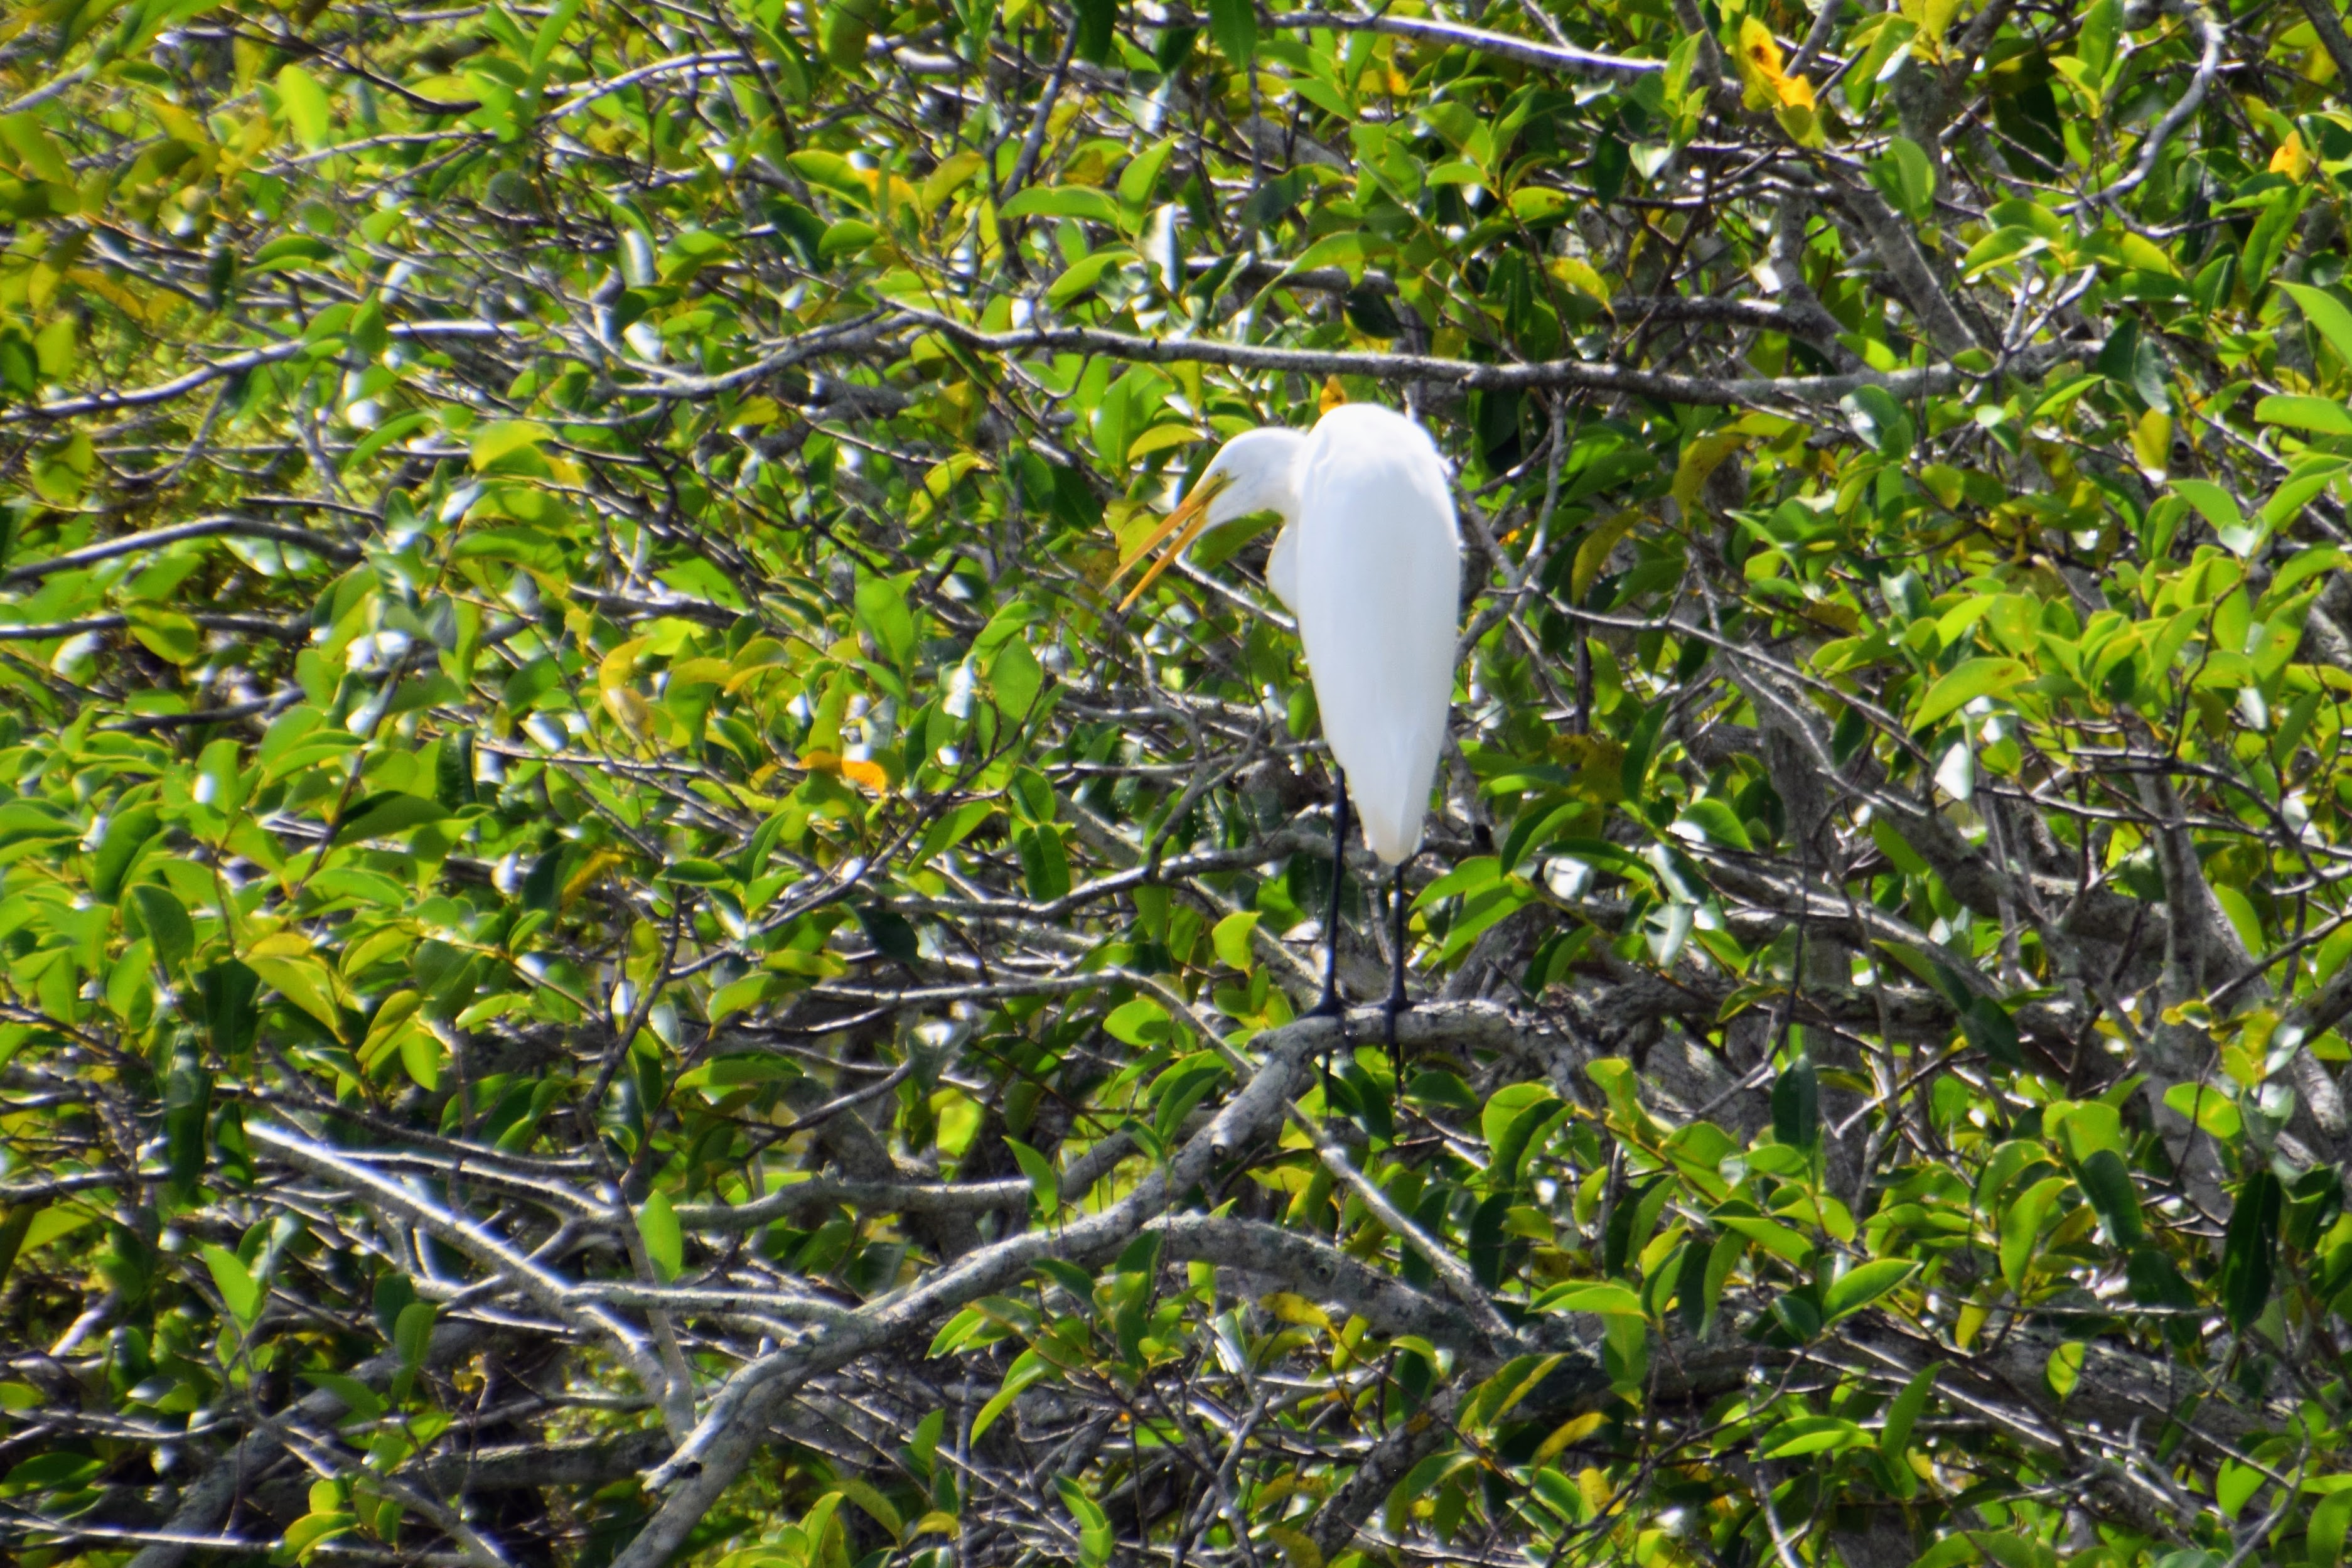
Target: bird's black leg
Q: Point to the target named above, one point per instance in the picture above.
(1330, 1006)
(1397, 1003)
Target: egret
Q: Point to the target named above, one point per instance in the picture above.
(1369, 562)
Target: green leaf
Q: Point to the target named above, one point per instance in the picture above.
(229, 992)
(848, 238)
(2250, 1247)
(1907, 177)
(892, 934)
(1539, 204)
(1583, 1296)
(2003, 246)
(1233, 24)
(2064, 1369)
(1231, 939)
(1712, 819)
(1797, 1104)
(1141, 177)
(360, 1403)
(882, 610)
(1894, 1437)
(2020, 1227)
(41, 155)
(2307, 480)
(1138, 1021)
(664, 1242)
(239, 1290)
(1017, 678)
(1084, 274)
(1858, 1287)
(2207, 1105)
(497, 442)
(1027, 1368)
(1045, 1185)
(2326, 312)
(1095, 1533)
(2323, 414)
(2331, 1520)
(304, 104)
(412, 1334)
(1505, 1106)
(1418, 1482)
(1064, 201)
(1971, 679)
(1811, 1435)
(1096, 20)
(168, 634)
(2106, 1182)
(383, 815)
(1526, 1124)
(127, 836)
(1045, 862)
(166, 924)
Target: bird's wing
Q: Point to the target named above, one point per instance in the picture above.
(1378, 579)
(1282, 567)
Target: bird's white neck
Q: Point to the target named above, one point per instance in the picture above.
(1261, 471)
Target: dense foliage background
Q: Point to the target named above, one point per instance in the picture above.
(614, 954)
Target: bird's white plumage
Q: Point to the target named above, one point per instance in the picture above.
(1378, 579)
(1370, 563)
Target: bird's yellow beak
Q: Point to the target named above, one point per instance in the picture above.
(1185, 523)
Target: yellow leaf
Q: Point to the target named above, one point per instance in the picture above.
(699, 672)
(587, 874)
(1934, 17)
(2291, 159)
(1593, 553)
(620, 664)
(944, 181)
(1598, 761)
(1293, 1309)
(635, 714)
(1700, 459)
(1764, 79)
(1579, 274)
(937, 1523)
(280, 945)
(178, 123)
(1298, 1550)
(1333, 396)
(1567, 1434)
(2147, 256)
(36, 150)
(1972, 1319)
(150, 312)
(1803, 125)
(2152, 443)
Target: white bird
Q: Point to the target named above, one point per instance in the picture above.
(1369, 562)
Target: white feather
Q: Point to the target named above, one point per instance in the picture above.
(1369, 560)
(1378, 579)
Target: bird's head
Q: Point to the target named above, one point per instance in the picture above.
(1255, 471)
